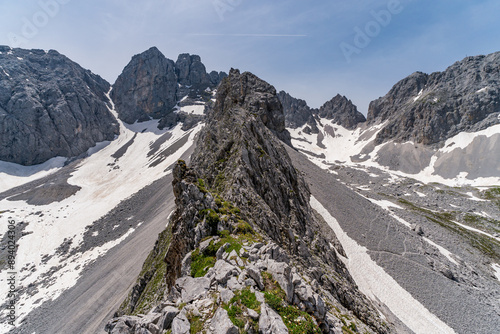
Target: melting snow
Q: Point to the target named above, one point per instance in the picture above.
(13, 175)
(496, 268)
(196, 109)
(442, 250)
(3, 70)
(374, 282)
(418, 96)
(345, 144)
(476, 230)
(102, 188)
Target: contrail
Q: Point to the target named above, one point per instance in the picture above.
(249, 35)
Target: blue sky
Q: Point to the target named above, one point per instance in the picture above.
(298, 46)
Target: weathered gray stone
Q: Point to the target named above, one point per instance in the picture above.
(49, 107)
(221, 251)
(270, 322)
(154, 329)
(429, 108)
(224, 271)
(192, 288)
(253, 314)
(226, 295)
(221, 323)
(255, 274)
(233, 284)
(180, 324)
(168, 314)
(120, 328)
(320, 306)
(282, 273)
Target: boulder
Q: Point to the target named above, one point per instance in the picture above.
(270, 322)
(221, 324)
(168, 315)
(192, 288)
(180, 324)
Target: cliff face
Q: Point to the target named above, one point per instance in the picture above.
(340, 110)
(146, 87)
(50, 106)
(243, 226)
(430, 108)
(151, 85)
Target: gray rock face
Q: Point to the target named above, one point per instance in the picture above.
(339, 110)
(192, 288)
(146, 88)
(248, 92)
(180, 324)
(242, 181)
(270, 322)
(191, 71)
(151, 85)
(222, 324)
(428, 109)
(50, 106)
(342, 112)
(238, 156)
(297, 112)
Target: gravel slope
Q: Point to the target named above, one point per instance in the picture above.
(405, 255)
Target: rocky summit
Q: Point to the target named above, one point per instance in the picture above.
(49, 107)
(430, 108)
(151, 85)
(244, 251)
(339, 110)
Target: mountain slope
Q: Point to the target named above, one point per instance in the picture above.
(49, 107)
(429, 109)
(443, 127)
(242, 179)
(100, 195)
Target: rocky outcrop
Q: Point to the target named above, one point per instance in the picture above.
(50, 106)
(342, 112)
(339, 110)
(146, 88)
(243, 238)
(246, 287)
(428, 109)
(151, 86)
(297, 112)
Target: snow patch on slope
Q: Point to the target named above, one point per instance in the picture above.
(355, 148)
(102, 189)
(14, 175)
(374, 282)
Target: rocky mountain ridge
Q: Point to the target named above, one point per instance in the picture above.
(151, 85)
(339, 110)
(240, 190)
(49, 107)
(430, 108)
